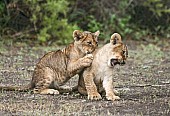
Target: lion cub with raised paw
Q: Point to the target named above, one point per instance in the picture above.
(56, 68)
(98, 77)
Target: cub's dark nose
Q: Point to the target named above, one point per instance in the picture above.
(122, 63)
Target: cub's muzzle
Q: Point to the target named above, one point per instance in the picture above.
(114, 62)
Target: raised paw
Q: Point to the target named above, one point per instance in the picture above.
(112, 97)
(94, 96)
(87, 60)
(90, 56)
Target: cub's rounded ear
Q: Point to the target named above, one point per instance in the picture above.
(77, 35)
(115, 39)
(97, 33)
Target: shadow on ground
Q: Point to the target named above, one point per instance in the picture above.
(143, 84)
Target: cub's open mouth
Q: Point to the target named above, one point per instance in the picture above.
(116, 61)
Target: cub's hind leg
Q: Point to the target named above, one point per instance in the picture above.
(46, 91)
(43, 79)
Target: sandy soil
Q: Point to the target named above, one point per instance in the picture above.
(143, 84)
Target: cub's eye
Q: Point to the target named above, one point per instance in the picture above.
(97, 43)
(123, 52)
(89, 42)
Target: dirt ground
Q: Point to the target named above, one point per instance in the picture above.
(143, 84)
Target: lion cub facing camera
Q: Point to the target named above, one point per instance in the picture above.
(98, 77)
(56, 68)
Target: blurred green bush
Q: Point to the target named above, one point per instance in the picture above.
(50, 20)
(55, 20)
(132, 19)
(47, 19)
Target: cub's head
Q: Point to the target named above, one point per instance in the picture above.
(86, 41)
(118, 52)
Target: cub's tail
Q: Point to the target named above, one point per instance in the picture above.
(16, 88)
(68, 89)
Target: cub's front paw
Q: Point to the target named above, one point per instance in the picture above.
(112, 97)
(94, 96)
(90, 56)
(87, 60)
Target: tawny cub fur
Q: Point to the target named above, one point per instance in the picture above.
(98, 77)
(56, 68)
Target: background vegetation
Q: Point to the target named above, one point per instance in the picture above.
(48, 21)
